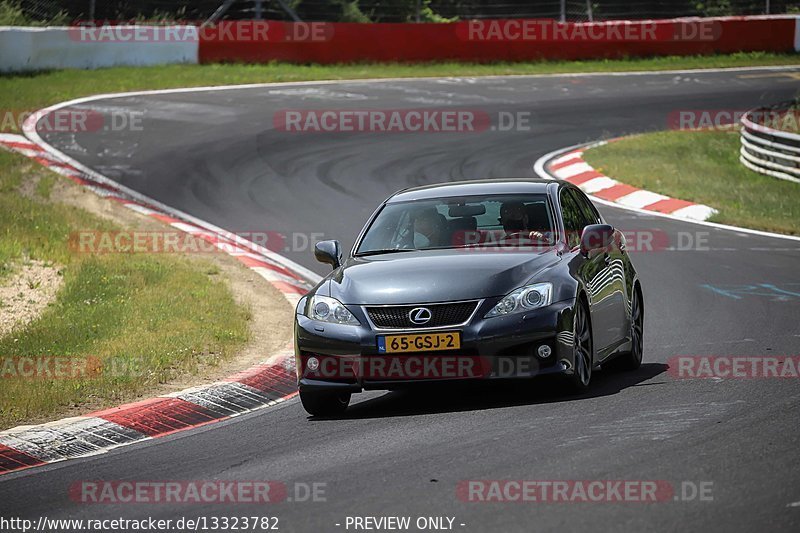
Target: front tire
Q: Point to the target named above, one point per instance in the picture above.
(633, 359)
(324, 403)
(583, 350)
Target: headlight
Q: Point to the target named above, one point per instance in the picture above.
(524, 299)
(330, 310)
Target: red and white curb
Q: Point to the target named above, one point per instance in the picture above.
(572, 168)
(262, 386)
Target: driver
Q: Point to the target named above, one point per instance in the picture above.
(514, 219)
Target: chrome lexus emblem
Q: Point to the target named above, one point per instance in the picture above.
(420, 315)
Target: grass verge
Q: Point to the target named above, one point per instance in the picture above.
(703, 167)
(30, 92)
(138, 320)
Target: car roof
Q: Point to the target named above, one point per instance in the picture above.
(473, 188)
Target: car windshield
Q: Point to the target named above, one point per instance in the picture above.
(466, 222)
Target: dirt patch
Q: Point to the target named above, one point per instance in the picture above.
(25, 295)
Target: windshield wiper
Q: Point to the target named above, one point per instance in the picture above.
(385, 251)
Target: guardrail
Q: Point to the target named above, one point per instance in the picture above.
(32, 49)
(767, 150)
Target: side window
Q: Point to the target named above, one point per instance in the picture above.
(574, 220)
(589, 212)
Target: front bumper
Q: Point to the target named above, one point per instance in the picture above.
(495, 348)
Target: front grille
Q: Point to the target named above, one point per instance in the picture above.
(442, 315)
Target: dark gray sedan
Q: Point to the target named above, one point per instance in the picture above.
(491, 279)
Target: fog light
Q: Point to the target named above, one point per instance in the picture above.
(312, 364)
(544, 351)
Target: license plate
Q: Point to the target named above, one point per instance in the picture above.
(422, 342)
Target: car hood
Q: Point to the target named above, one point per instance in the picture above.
(434, 276)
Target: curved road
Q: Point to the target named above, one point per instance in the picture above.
(217, 156)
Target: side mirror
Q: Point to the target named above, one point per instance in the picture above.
(596, 237)
(328, 252)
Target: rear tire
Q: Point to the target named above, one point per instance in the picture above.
(633, 359)
(324, 403)
(583, 350)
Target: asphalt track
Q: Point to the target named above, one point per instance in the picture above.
(216, 155)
